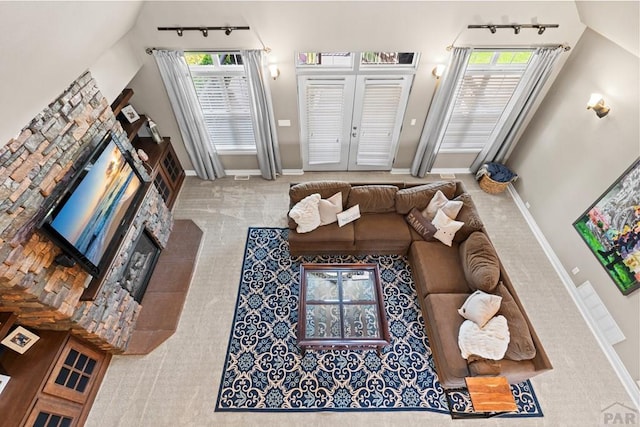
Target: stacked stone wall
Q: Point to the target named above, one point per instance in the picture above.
(35, 167)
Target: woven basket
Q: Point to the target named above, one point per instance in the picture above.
(490, 186)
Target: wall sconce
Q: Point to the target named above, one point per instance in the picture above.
(274, 71)
(438, 70)
(596, 103)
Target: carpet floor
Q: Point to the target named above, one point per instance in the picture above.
(265, 371)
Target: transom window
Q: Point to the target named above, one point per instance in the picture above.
(356, 60)
(482, 95)
(221, 85)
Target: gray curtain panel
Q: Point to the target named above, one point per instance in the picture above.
(503, 137)
(439, 112)
(184, 101)
(264, 127)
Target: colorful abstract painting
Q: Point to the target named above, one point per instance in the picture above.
(611, 229)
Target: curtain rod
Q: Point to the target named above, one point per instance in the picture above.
(564, 46)
(149, 50)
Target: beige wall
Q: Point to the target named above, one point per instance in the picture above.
(286, 27)
(45, 46)
(568, 157)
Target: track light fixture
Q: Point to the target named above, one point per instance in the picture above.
(204, 30)
(515, 27)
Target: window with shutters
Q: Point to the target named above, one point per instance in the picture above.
(481, 96)
(221, 85)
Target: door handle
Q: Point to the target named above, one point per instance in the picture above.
(354, 134)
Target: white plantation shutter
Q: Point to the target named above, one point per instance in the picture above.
(480, 101)
(323, 120)
(382, 109)
(224, 100)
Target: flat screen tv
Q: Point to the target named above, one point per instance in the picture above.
(94, 212)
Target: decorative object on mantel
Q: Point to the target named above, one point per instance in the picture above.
(130, 113)
(20, 340)
(153, 129)
(611, 229)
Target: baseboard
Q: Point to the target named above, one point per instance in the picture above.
(445, 171)
(622, 372)
(190, 172)
(242, 172)
(400, 171)
(292, 172)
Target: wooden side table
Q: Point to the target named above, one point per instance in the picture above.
(491, 394)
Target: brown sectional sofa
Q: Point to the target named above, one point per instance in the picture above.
(439, 271)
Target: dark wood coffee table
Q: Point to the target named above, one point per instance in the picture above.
(341, 307)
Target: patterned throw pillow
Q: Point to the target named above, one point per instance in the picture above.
(421, 224)
(446, 227)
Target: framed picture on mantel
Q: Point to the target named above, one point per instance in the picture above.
(611, 229)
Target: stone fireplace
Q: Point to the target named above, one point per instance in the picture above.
(34, 167)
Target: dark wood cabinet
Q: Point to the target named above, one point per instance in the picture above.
(163, 166)
(53, 383)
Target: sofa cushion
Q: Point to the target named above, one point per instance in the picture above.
(306, 214)
(420, 196)
(521, 346)
(480, 307)
(446, 228)
(326, 189)
(329, 208)
(436, 268)
(480, 367)
(382, 233)
(469, 215)
(480, 262)
(451, 208)
(442, 324)
(373, 198)
(420, 224)
(326, 239)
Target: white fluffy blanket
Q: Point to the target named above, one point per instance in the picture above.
(489, 342)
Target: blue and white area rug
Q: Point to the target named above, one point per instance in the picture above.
(265, 371)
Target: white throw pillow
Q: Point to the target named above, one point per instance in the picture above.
(451, 208)
(329, 208)
(306, 214)
(349, 215)
(446, 227)
(480, 307)
(490, 341)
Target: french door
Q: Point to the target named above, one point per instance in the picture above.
(351, 122)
